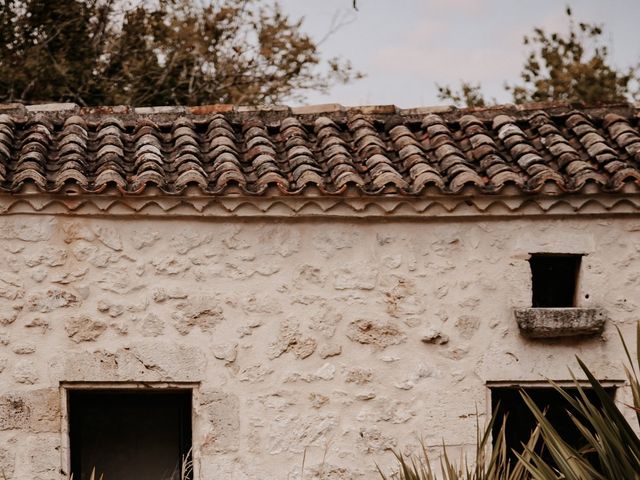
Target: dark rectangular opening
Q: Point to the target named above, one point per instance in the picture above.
(129, 434)
(520, 422)
(554, 280)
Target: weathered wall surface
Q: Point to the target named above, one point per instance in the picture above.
(342, 338)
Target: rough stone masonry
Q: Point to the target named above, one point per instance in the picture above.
(344, 339)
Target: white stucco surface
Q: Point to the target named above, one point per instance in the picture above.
(339, 338)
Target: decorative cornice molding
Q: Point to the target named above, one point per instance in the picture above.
(389, 207)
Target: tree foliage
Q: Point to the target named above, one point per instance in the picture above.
(468, 94)
(109, 52)
(571, 67)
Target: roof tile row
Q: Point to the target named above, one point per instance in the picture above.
(378, 153)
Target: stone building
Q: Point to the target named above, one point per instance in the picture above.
(263, 286)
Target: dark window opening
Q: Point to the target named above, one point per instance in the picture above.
(554, 280)
(129, 435)
(520, 422)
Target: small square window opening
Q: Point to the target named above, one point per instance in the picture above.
(554, 280)
(129, 434)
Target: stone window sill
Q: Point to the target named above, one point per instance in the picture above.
(559, 322)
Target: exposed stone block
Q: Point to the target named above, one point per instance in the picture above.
(74, 231)
(170, 265)
(152, 325)
(374, 332)
(354, 279)
(202, 312)
(188, 240)
(50, 300)
(41, 457)
(84, 328)
(162, 361)
(138, 362)
(560, 322)
(359, 376)
(372, 440)
(318, 400)
(7, 461)
(254, 373)
(30, 229)
(32, 410)
(329, 350)
(144, 238)
(432, 335)
(84, 366)
(50, 257)
(290, 339)
(23, 348)
(221, 413)
(8, 316)
(467, 325)
(11, 287)
(25, 372)
(14, 412)
(225, 351)
(293, 432)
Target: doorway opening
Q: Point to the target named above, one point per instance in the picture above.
(130, 434)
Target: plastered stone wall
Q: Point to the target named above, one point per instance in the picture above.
(341, 338)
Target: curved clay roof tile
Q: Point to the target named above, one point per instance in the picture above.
(379, 152)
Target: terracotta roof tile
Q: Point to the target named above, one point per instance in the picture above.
(376, 150)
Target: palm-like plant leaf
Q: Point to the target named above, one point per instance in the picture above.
(612, 447)
(490, 463)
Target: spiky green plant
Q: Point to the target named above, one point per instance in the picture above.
(186, 470)
(612, 450)
(490, 462)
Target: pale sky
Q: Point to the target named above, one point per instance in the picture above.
(406, 46)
